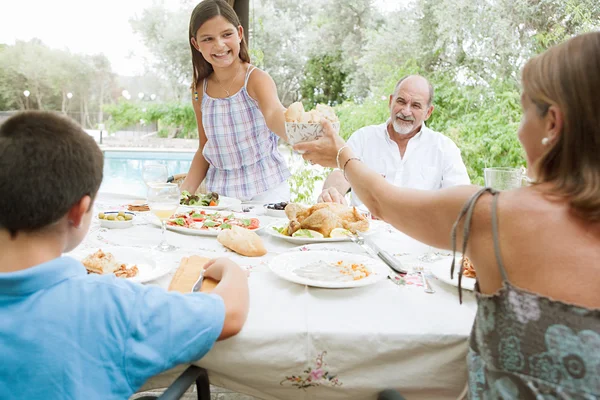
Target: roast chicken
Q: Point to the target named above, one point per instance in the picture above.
(325, 217)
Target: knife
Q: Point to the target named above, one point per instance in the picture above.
(198, 285)
(382, 254)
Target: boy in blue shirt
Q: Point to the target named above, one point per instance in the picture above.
(68, 335)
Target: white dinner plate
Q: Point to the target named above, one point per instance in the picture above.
(225, 203)
(214, 232)
(292, 266)
(373, 227)
(441, 270)
(147, 268)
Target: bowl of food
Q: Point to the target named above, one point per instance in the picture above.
(116, 219)
(276, 209)
(304, 126)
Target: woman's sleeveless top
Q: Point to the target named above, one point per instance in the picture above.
(527, 346)
(241, 150)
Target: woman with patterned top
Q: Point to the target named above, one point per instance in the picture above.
(240, 118)
(536, 249)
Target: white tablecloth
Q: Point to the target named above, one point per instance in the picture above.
(308, 343)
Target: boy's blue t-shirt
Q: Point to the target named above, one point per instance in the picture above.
(68, 335)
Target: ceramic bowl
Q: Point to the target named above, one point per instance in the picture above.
(114, 224)
(297, 132)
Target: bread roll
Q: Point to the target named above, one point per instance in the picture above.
(294, 112)
(242, 241)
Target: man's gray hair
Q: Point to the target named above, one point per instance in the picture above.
(428, 84)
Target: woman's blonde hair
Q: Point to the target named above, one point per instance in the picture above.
(204, 11)
(568, 77)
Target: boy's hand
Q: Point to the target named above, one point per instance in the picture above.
(216, 267)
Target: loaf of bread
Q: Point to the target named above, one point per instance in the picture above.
(187, 274)
(296, 113)
(242, 241)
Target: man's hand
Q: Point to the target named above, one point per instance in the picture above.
(331, 195)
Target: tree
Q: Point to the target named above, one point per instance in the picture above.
(165, 34)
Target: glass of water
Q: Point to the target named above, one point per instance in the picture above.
(154, 173)
(503, 178)
(163, 200)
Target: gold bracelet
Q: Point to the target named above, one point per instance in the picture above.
(346, 163)
(337, 158)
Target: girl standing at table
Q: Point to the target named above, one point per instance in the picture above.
(239, 115)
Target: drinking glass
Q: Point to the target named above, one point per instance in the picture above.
(154, 174)
(163, 200)
(503, 178)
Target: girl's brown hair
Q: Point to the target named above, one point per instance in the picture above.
(204, 11)
(568, 77)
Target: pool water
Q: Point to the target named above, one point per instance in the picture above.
(123, 169)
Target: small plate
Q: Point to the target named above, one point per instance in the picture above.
(274, 213)
(290, 266)
(116, 224)
(148, 270)
(441, 270)
(225, 203)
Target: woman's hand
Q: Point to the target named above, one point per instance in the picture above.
(324, 150)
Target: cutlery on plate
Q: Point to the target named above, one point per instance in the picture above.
(427, 287)
(383, 255)
(198, 284)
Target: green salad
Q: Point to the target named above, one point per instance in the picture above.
(206, 200)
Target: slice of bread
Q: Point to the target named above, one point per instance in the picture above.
(242, 241)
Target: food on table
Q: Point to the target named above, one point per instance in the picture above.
(214, 221)
(296, 113)
(338, 271)
(187, 274)
(242, 241)
(138, 205)
(105, 263)
(324, 218)
(468, 269)
(340, 232)
(308, 233)
(115, 216)
(205, 200)
(277, 206)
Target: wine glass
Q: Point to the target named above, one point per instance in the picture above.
(154, 173)
(163, 200)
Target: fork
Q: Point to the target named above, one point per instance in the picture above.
(427, 287)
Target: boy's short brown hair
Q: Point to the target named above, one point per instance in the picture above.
(47, 164)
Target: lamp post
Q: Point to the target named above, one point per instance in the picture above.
(69, 97)
(26, 93)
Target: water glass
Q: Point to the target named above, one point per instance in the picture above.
(503, 178)
(163, 200)
(154, 174)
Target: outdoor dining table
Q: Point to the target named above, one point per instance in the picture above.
(302, 342)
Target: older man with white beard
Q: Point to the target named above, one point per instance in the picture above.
(403, 150)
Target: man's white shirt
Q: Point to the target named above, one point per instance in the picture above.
(431, 160)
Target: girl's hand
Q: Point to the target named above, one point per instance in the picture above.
(322, 151)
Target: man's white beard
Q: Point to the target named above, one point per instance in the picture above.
(402, 128)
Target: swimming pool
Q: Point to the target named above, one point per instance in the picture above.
(123, 169)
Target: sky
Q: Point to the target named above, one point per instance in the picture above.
(91, 27)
